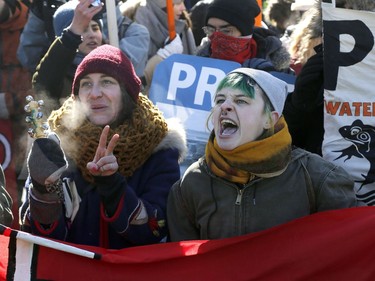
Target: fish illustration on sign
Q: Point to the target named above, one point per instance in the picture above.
(362, 138)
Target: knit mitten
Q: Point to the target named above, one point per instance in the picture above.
(46, 163)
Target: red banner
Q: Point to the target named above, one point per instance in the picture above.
(332, 245)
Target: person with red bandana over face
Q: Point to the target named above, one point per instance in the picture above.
(231, 35)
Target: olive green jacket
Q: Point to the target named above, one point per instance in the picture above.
(204, 206)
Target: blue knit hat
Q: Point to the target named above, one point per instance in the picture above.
(63, 17)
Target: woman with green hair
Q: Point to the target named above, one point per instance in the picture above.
(251, 178)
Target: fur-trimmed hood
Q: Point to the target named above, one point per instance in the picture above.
(175, 138)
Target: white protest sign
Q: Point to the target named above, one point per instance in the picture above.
(349, 123)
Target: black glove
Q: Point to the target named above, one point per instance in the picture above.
(258, 63)
(309, 85)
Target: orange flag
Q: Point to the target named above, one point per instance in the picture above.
(258, 19)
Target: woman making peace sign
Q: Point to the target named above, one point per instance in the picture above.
(107, 185)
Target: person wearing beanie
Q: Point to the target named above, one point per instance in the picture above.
(231, 35)
(108, 162)
(77, 35)
(153, 15)
(63, 17)
(133, 38)
(250, 177)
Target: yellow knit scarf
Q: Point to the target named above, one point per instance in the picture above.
(138, 136)
(264, 158)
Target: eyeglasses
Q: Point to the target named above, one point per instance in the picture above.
(209, 30)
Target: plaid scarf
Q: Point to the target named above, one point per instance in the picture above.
(267, 157)
(139, 136)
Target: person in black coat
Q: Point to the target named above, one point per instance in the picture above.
(303, 109)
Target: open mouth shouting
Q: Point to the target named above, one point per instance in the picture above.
(227, 127)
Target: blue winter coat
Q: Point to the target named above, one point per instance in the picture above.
(138, 203)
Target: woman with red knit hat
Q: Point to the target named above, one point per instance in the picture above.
(107, 184)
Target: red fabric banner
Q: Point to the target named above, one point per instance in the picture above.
(332, 245)
(4, 241)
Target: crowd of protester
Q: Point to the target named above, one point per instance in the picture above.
(107, 171)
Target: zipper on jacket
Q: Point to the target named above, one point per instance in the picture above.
(240, 192)
(254, 202)
(239, 196)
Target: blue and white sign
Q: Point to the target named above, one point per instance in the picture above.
(183, 87)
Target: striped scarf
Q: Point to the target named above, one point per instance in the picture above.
(266, 158)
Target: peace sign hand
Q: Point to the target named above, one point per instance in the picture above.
(104, 163)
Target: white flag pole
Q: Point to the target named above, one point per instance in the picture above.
(112, 22)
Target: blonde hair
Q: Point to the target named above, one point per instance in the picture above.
(306, 35)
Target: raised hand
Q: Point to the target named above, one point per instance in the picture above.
(83, 14)
(104, 162)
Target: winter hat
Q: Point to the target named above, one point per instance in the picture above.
(163, 3)
(111, 61)
(63, 17)
(239, 13)
(275, 89)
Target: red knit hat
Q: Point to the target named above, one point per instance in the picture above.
(109, 60)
